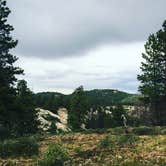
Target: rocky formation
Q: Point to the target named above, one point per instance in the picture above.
(46, 118)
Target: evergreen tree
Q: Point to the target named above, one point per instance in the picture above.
(116, 115)
(26, 114)
(153, 77)
(78, 108)
(100, 117)
(7, 68)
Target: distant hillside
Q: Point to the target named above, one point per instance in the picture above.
(96, 97)
(106, 97)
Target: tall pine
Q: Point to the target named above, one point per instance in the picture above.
(78, 109)
(26, 114)
(7, 68)
(153, 77)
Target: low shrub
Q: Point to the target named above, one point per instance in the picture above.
(159, 130)
(19, 147)
(126, 139)
(112, 140)
(55, 156)
(108, 141)
(38, 137)
(98, 131)
(79, 151)
(143, 130)
(116, 130)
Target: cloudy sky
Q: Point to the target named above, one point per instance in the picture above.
(94, 43)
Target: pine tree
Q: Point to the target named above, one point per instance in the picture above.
(26, 114)
(78, 108)
(161, 35)
(7, 68)
(153, 77)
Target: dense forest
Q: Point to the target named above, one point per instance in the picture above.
(104, 97)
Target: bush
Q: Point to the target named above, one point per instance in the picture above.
(108, 141)
(143, 130)
(112, 141)
(38, 137)
(79, 151)
(127, 139)
(18, 147)
(116, 130)
(97, 131)
(55, 156)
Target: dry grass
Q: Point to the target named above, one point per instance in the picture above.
(84, 150)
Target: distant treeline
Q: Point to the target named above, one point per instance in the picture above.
(106, 97)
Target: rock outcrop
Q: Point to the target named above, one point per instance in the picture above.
(46, 118)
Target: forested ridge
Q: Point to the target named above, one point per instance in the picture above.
(96, 97)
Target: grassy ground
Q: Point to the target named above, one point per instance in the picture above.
(104, 149)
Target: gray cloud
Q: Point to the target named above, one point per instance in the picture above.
(60, 28)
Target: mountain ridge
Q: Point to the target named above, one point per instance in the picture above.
(95, 97)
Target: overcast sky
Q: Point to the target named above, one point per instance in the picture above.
(94, 43)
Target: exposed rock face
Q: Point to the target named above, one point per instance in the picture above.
(60, 120)
(63, 116)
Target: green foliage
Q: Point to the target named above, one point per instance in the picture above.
(53, 100)
(106, 97)
(128, 139)
(78, 108)
(38, 136)
(116, 131)
(53, 128)
(98, 131)
(55, 156)
(18, 147)
(145, 130)
(8, 71)
(131, 100)
(79, 151)
(17, 113)
(108, 141)
(153, 77)
(26, 114)
(104, 117)
(117, 113)
(111, 141)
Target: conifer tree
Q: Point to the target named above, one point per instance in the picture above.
(78, 108)
(153, 76)
(7, 68)
(26, 114)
